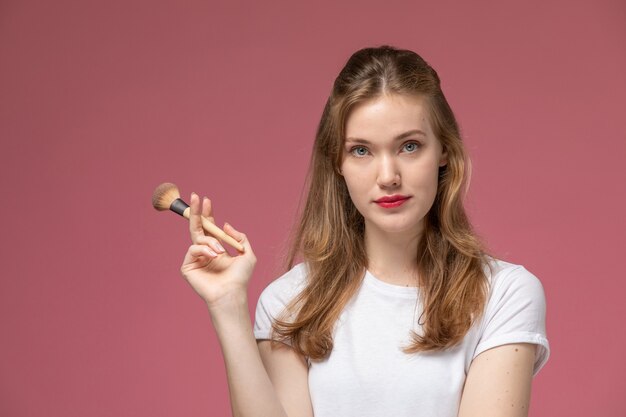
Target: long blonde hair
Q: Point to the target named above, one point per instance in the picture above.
(329, 237)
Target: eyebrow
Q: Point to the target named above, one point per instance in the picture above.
(399, 137)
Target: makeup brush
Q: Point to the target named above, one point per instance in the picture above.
(167, 197)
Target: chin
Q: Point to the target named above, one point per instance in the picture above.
(396, 227)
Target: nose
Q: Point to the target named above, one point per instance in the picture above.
(388, 173)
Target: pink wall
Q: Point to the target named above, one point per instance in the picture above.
(101, 102)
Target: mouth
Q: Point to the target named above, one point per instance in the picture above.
(392, 201)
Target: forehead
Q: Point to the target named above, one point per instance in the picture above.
(387, 116)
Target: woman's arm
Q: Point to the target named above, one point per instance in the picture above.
(222, 280)
(289, 373)
(498, 382)
(262, 381)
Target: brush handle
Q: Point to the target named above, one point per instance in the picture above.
(215, 231)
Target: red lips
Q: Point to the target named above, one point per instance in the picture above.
(391, 198)
(392, 201)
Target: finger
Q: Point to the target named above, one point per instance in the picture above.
(211, 242)
(197, 253)
(207, 209)
(238, 236)
(195, 223)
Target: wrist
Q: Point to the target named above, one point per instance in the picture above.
(231, 318)
(230, 304)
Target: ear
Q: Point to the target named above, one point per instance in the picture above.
(443, 160)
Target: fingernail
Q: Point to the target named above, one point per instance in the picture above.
(211, 252)
(220, 247)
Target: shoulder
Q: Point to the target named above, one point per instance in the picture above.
(506, 278)
(515, 311)
(279, 293)
(276, 297)
(287, 285)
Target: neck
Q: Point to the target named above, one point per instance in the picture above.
(392, 257)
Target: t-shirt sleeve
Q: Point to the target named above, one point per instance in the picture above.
(274, 299)
(515, 313)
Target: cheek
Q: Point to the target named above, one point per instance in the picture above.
(357, 185)
(425, 181)
(354, 187)
(433, 185)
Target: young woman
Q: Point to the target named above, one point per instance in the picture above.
(395, 308)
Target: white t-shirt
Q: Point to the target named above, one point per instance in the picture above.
(367, 374)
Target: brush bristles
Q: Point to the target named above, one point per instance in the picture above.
(164, 195)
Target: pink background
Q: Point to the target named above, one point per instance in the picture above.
(102, 101)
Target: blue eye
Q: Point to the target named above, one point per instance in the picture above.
(359, 151)
(411, 146)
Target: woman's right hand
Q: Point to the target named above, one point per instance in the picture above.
(218, 277)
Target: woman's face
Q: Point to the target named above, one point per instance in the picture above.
(391, 162)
